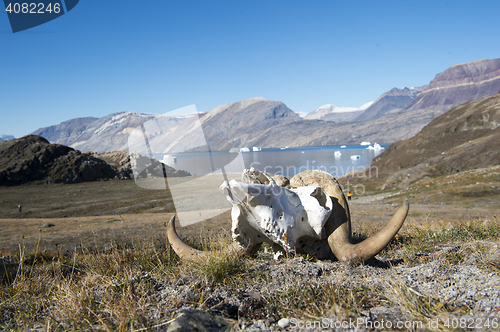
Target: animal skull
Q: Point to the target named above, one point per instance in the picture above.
(276, 215)
(310, 217)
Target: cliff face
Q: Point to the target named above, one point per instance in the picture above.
(455, 86)
(66, 132)
(466, 137)
(466, 74)
(459, 84)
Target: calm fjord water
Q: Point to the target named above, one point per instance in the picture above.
(285, 161)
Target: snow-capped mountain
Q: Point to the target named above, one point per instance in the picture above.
(334, 113)
(108, 133)
(6, 137)
(398, 114)
(224, 127)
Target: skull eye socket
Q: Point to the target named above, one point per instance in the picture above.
(320, 195)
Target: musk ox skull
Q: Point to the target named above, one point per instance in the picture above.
(312, 216)
(278, 216)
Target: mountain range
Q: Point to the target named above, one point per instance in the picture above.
(398, 114)
(109, 133)
(466, 137)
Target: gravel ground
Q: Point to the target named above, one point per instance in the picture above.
(458, 293)
(430, 291)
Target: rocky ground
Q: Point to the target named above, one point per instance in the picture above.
(440, 273)
(450, 287)
(386, 293)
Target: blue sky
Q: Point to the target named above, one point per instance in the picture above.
(158, 55)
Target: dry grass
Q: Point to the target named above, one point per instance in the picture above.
(469, 188)
(343, 298)
(91, 199)
(118, 276)
(220, 265)
(77, 232)
(116, 288)
(110, 289)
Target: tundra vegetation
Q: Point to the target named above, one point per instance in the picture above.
(442, 266)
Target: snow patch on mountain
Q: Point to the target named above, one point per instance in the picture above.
(115, 121)
(329, 112)
(365, 106)
(6, 137)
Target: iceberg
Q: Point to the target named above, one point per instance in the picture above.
(256, 149)
(356, 156)
(375, 146)
(169, 160)
(365, 143)
(343, 146)
(337, 154)
(244, 150)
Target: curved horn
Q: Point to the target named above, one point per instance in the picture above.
(183, 250)
(189, 253)
(340, 238)
(338, 226)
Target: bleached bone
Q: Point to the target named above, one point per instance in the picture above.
(312, 217)
(276, 215)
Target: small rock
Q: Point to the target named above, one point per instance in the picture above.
(283, 323)
(255, 295)
(199, 320)
(47, 225)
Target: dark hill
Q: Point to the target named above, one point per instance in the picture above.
(466, 137)
(33, 159)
